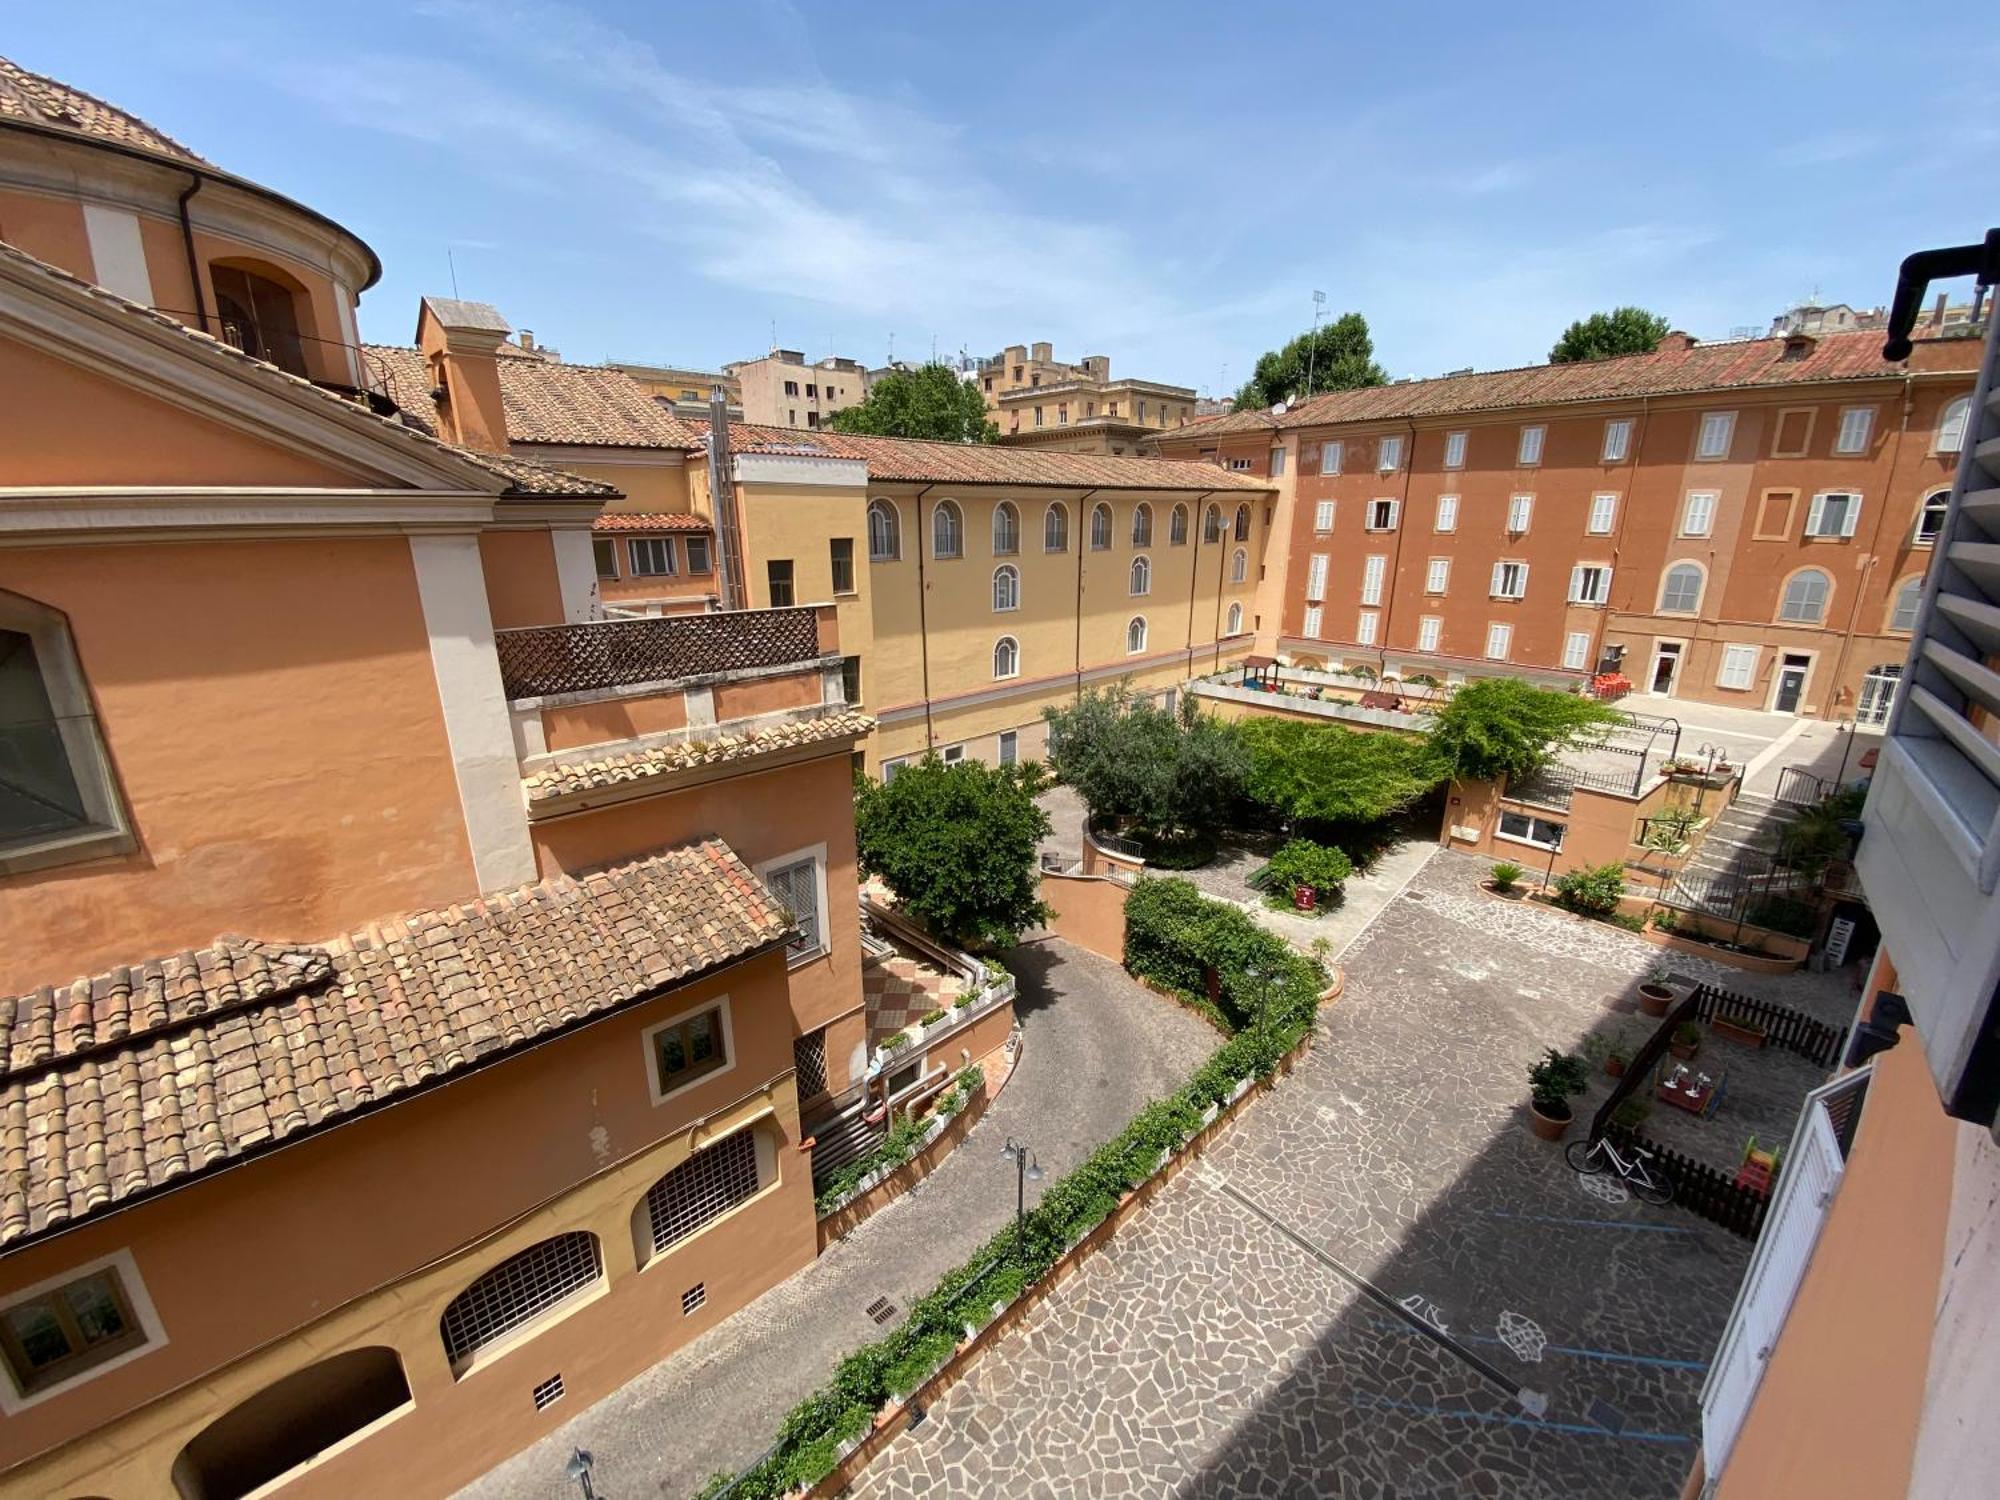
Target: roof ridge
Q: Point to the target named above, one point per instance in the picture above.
(7, 64)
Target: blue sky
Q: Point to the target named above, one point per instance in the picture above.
(1164, 184)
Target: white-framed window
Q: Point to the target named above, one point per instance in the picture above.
(58, 799)
(1055, 528)
(947, 530)
(1006, 588)
(1240, 465)
(882, 532)
(1739, 667)
(1142, 525)
(1520, 511)
(1329, 457)
(1006, 658)
(1364, 627)
(1951, 425)
(1617, 440)
(1277, 463)
(78, 1324)
(651, 556)
(1447, 513)
(1382, 515)
(1454, 450)
(1008, 747)
(1834, 513)
(1211, 524)
(1603, 514)
(1930, 518)
(1373, 571)
(892, 768)
(1804, 602)
(1177, 527)
(1718, 431)
(1589, 583)
(1903, 614)
(798, 880)
(1006, 529)
(1313, 621)
(1390, 454)
(1530, 448)
(1316, 576)
(685, 1049)
(1499, 641)
(1141, 573)
(1576, 650)
(1680, 590)
(604, 557)
(1437, 576)
(951, 755)
(1510, 580)
(1698, 513)
(519, 1291)
(1135, 635)
(1323, 516)
(1100, 528)
(1429, 629)
(1243, 522)
(1235, 620)
(1525, 828)
(1857, 424)
(1239, 566)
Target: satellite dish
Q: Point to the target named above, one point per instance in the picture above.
(1278, 410)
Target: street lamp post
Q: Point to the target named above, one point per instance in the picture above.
(1026, 1170)
(579, 1467)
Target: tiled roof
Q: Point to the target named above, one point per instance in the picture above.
(547, 401)
(524, 476)
(665, 760)
(31, 99)
(144, 1076)
(629, 520)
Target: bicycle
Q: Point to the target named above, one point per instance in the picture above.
(1589, 1157)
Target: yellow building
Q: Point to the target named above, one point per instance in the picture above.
(1039, 401)
(685, 391)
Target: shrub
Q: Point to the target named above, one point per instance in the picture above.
(1504, 726)
(1629, 920)
(1786, 914)
(899, 1040)
(1593, 891)
(1129, 758)
(1665, 918)
(898, 1144)
(1506, 875)
(1174, 936)
(1302, 862)
(1554, 1078)
(1319, 773)
(1632, 1112)
(1687, 1034)
(931, 1017)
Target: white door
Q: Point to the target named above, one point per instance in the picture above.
(1878, 691)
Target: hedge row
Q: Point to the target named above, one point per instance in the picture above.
(899, 1143)
(1175, 936)
(810, 1438)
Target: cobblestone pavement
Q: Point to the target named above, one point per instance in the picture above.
(1221, 1345)
(1066, 814)
(1095, 1047)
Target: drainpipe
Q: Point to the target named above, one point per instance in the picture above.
(1626, 501)
(923, 619)
(1082, 543)
(1874, 555)
(1391, 583)
(1223, 554)
(1194, 566)
(187, 240)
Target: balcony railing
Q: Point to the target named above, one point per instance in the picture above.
(544, 660)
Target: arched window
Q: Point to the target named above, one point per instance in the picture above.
(1243, 523)
(1680, 593)
(1006, 529)
(1903, 616)
(1006, 588)
(947, 530)
(292, 1421)
(1878, 693)
(1805, 597)
(1951, 425)
(1930, 520)
(521, 1288)
(1177, 525)
(1235, 619)
(1135, 635)
(1211, 524)
(701, 1189)
(1100, 528)
(1142, 576)
(1055, 529)
(1006, 657)
(884, 545)
(1239, 566)
(259, 315)
(1142, 525)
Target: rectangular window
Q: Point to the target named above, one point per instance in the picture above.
(1382, 515)
(812, 389)
(1576, 650)
(1277, 463)
(1510, 580)
(1447, 516)
(1323, 516)
(1316, 576)
(1833, 514)
(1454, 450)
(1524, 828)
(1010, 747)
(1530, 451)
(1391, 454)
(1437, 578)
(1718, 430)
(1589, 584)
(1520, 510)
(1698, 516)
(1364, 628)
(1372, 572)
(1603, 513)
(651, 556)
(1312, 621)
(1617, 440)
(689, 1047)
(840, 551)
(796, 881)
(952, 754)
(1499, 640)
(1240, 465)
(778, 576)
(65, 1329)
(1739, 667)
(892, 768)
(791, 387)
(1429, 628)
(850, 678)
(605, 554)
(1856, 425)
(697, 554)
(1329, 458)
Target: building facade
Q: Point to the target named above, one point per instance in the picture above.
(1037, 401)
(686, 391)
(783, 390)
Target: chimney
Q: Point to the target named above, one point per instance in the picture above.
(526, 339)
(1676, 342)
(1937, 310)
(461, 342)
(1045, 353)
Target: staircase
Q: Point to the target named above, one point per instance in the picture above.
(1736, 857)
(838, 1139)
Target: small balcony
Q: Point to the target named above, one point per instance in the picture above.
(548, 661)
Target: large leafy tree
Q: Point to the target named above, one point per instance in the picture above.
(1503, 726)
(957, 844)
(1132, 759)
(1320, 773)
(929, 401)
(1340, 356)
(1623, 330)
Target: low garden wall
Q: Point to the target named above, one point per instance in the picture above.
(1088, 910)
(1230, 700)
(850, 1215)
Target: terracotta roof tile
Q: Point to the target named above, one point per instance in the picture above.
(547, 401)
(664, 760)
(127, 1081)
(32, 99)
(629, 520)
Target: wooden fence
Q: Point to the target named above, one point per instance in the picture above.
(1698, 1187)
(1794, 1030)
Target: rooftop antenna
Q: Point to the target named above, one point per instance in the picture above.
(933, 348)
(774, 333)
(892, 346)
(1312, 343)
(454, 272)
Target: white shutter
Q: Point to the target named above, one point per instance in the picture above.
(1576, 649)
(1576, 584)
(1323, 516)
(1815, 514)
(1427, 632)
(1316, 577)
(1371, 579)
(1447, 518)
(1499, 570)
(1850, 515)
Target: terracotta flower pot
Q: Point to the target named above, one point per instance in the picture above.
(1749, 1036)
(1684, 1050)
(1549, 1127)
(1655, 999)
(1614, 1067)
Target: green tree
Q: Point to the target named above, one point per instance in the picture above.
(1623, 330)
(1133, 760)
(957, 844)
(1320, 773)
(929, 401)
(1503, 726)
(1339, 357)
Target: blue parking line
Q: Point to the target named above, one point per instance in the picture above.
(1575, 1429)
(1698, 1366)
(1594, 1223)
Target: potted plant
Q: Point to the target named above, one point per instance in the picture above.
(1632, 1113)
(1550, 1083)
(1506, 879)
(1654, 996)
(1740, 1029)
(1686, 1040)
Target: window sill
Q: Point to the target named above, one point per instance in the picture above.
(1515, 838)
(73, 848)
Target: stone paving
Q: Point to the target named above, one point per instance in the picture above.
(1206, 1352)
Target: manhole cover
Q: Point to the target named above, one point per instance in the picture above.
(1605, 1415)
(1413, 895)
(881, 1309)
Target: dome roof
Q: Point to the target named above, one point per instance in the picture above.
(30, 99)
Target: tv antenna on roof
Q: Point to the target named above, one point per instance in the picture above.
(1312, 343)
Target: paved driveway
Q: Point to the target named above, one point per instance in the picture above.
(1246, 1336)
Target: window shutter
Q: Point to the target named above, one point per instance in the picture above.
(1850, 515)
(1815, 514)
(1499, 573)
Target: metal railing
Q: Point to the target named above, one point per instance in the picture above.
(1801, 787)
(542, 660)
(1556, 786)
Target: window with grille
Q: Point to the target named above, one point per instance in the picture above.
(651, 556)
(809, 1063)
(519, 1290)
(548, 1393)
(702, 1189)
(796, 886)
(1006, 530)
(693, 1298)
